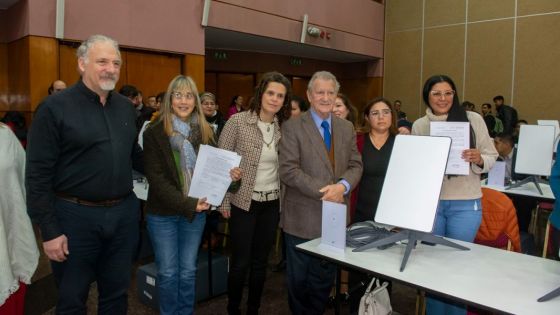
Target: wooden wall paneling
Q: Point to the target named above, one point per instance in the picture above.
(18, 74)
(403, 66)
(438, 12)
(374, 88)
(151, 72)
(4, 87)
(123, 78)
(526, 7)
(193, 66)
(403, 14)
(43, 64)
(256, 62)
(68, 64)
(355, 90)
(444, 51)
(231, 84)
(211, 82)
(489, 69)
(537, 89)
(299, 86)
(487, 10)
(360, 92)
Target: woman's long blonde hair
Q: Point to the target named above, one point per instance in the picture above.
(182, 83)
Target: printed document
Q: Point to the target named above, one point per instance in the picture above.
(211, 177)
(460, 141)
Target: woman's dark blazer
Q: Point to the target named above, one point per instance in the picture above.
(165, 195)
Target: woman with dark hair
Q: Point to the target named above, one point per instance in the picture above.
(176, 221)
(236, 106)
(376, 145)
(459, 209)
(299, 106)
(344, 109)
(253, 210)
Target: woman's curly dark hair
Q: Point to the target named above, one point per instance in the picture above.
(255, 103)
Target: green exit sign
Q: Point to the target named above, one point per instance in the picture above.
(296, 62)
(220, 55)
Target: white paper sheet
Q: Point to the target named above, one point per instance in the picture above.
(497, 174)
(460, 141)
(211, 177)
(140, 187)
(333, 228)
(141, 134)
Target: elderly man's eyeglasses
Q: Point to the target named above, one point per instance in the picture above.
(178, 95)
(440, 94)
(379, 113)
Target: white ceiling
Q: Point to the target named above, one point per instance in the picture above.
(229, 40)
(4, 4)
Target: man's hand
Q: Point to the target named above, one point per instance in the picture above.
(334, 193)
(57, 248)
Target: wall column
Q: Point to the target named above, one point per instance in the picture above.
(32, 67)
(43, 68)
(193, 66)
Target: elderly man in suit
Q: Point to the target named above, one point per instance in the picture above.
(318, 161)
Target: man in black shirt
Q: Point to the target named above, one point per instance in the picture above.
(506, 113)
(80, 157)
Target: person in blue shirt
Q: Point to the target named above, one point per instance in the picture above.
(555, 215)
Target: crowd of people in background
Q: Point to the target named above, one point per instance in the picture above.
(74, 172)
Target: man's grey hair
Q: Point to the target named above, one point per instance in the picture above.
(84, 48)
(324, 75)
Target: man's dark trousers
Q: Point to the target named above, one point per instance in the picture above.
(102, 242)
(310, 279)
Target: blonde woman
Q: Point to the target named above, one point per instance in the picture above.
(175, 221)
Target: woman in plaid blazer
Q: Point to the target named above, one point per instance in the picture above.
(253, 210)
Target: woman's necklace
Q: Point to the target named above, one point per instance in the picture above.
(270, 142)
(268, 128)
(267, 124)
